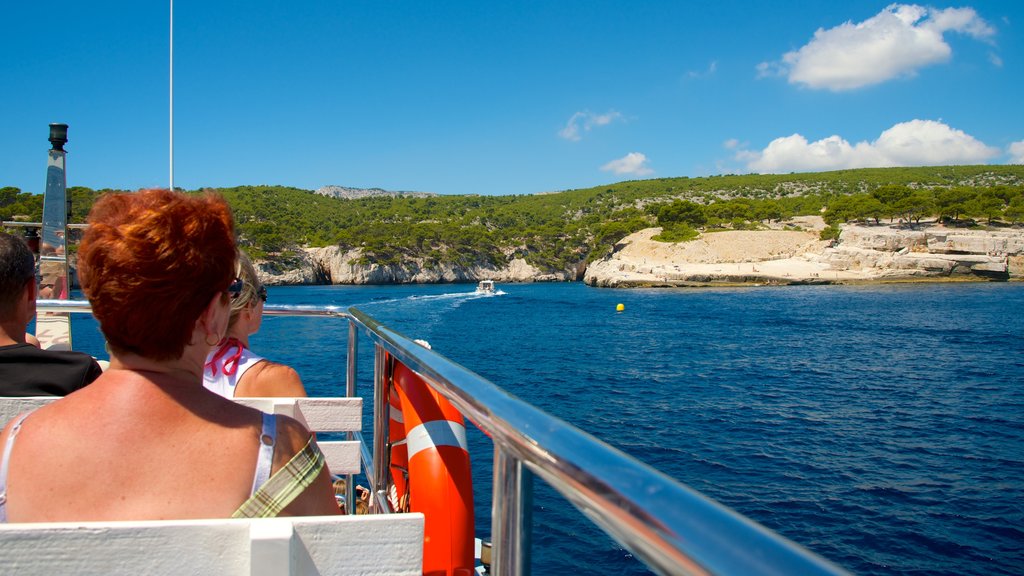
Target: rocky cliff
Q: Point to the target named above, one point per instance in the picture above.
(331, 265)
(885, 252)
(796, 256)
(792, 254)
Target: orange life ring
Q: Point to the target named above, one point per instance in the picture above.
(440, 484)
(398, 492)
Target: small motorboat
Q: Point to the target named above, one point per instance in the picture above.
(485, 287)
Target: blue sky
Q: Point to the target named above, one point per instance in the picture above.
(504, 97)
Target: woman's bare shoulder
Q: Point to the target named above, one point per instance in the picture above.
(318, 498)
(271, 379)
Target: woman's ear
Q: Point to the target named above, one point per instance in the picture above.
(29, 295)
(214, 319)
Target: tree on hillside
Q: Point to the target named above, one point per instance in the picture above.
(769, 210)
(8, 195)
(839, 210)
(856, 207)
(952, 202)
(891, 195)
(21, 205)
(1014, 213)
(916, 206)
(683, 212)
(869, 207)
(1006, 193)
(986, 205)
(740, 209)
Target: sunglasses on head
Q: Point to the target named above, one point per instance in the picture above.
(235, 289)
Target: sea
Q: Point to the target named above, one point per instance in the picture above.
(880, 426)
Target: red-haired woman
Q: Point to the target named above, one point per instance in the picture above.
(146, 440)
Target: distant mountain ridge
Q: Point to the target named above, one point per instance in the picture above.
(346, 193)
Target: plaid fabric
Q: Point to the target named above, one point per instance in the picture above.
(285, 485)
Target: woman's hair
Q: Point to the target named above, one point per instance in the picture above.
(150, 262)
(245, 271)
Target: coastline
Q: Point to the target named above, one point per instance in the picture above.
(792, 253)
(788, 253)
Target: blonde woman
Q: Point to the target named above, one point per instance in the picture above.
(232, 369)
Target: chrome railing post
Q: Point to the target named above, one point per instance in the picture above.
(511, 516)
(381, 414)
(353, 348)
(350, 391)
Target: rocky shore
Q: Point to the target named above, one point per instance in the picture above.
(331, 265)
(797, 256)
(791, 253)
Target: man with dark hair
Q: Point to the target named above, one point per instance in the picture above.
(24, 369)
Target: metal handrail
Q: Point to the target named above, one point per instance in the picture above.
(667, 525)
(670, 527)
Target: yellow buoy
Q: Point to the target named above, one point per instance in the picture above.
(620, 307)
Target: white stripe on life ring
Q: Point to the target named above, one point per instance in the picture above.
(434, 434)
(396, 415)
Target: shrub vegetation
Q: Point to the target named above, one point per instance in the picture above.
(559, 230)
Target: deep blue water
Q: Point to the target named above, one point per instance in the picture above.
(880, 426)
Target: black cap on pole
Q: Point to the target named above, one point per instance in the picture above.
(58, 136)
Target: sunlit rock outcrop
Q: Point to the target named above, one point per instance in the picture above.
(795, 256)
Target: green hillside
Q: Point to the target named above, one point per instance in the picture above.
(557, 230)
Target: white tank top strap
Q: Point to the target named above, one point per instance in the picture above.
(265, 460)
(8, 446)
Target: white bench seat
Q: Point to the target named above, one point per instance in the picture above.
(317, 545)
(312, 545)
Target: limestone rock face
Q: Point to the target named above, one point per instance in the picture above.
(1015, 266)
(932, 251)
(331, 265)
(863, 253)
(305, 270)
(882, 239)
(997, 243)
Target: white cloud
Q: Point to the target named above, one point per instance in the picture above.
(913, 143)
(731, 144)
(633, 163)
(584, 121)
(711, 69)
(769, 69)
(895, 42)
(1016, 151)
(995, 59)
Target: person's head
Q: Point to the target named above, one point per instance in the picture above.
(253, 292)
(151, 263)
(17, 271)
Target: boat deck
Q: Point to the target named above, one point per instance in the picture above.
(668, 526)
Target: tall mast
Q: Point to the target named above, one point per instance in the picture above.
(171, 99)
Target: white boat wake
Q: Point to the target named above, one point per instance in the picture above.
(456, 298)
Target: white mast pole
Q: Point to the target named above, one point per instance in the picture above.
(171, 114)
